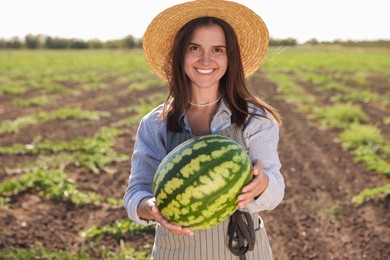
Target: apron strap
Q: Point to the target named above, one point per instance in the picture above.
(241, 234)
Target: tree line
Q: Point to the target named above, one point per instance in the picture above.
(130, 42)
(47, 42)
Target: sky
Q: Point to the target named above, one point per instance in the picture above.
(324, 20)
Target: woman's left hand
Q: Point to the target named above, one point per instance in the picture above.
(252, 190)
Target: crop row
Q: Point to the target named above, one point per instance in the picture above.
(331, 88)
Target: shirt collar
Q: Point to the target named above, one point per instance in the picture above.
(222, 108)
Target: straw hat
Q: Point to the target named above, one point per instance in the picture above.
(250, 29)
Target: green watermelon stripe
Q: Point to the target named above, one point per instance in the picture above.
(188, 199)
(217, 201)
(186, 160)
(183, 156)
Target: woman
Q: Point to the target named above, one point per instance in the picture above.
(205, 49)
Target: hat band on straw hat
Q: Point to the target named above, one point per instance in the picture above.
(250, 29)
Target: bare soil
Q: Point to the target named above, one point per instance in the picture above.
(315, 221)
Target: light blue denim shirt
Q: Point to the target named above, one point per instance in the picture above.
(261, 136)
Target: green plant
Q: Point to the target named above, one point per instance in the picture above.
(32, 102)
(119, 229)
(291, 92)
(361, 135)
(4, 202)
(357, 95)
(94, 153)
(52, 184)
(140, 110)
(368, 146)
(335, 86)
(374, 158)
(12, 126)
(371, 193)
(8, 89)
(124, 252)
(339, 115)
(39, 252)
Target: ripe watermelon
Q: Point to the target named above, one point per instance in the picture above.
(197, 183)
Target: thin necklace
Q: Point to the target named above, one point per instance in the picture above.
(207, 104)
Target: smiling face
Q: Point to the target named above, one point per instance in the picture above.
(205, 60)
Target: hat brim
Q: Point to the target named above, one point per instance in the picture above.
(251, 31)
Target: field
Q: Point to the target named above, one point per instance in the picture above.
(67, 126)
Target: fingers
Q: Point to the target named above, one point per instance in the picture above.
(175, 229)
(255, 187)
(257, 167)
(257, 171)
(248, 193)
(245, 198)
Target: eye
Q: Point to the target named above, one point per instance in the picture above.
(219, 50)
(194, 48)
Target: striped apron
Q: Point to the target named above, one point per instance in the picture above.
(210, 244)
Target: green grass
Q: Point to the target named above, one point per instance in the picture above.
(10, 89)
(39, 252)
(139, 111)
(32, 102)
(119, 229)
(51, 71)
(13, 126)
(361, 135)
(339, 115)
(373, 156)
(4, 202)
(95, 153)
(343, 61)
(334, 86)
(360, 95)
(46, 174)
(52, 184)
(368, 146)
(371, 193)
(292, 92)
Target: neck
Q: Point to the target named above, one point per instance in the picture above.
(205, 104)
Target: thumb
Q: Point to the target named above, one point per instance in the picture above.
(257, 167)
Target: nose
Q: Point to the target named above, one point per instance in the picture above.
(205, 58)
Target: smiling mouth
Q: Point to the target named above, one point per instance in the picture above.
(202, 71)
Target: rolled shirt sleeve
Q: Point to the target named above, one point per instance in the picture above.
(149, 150)
(262, 137)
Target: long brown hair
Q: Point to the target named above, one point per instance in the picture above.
(233, 85)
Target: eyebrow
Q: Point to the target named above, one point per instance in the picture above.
(216, 46)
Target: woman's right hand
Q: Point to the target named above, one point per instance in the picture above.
(175, 229)
(148, 209)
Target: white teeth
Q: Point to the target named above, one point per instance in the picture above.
(204, 71)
